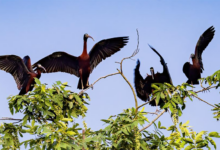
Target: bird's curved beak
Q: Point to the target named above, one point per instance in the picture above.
(91, 37)
(43, 68)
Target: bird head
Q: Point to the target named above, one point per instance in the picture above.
(40, 66)
(86, 36)
(191, 56)
(152, 72)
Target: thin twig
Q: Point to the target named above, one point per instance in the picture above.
(97, 81)
(205, 89)
(121, 71)
(145, 103)
(135, 97)
(153, 121)
(204, 101)
(134, 53)
(7, 118)
(83, 137)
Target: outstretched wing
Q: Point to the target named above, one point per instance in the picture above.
(186, 67)
(202, 43)
(139, 83)
(104, 49)
(165, 68)
(60, 62)
(16, 67)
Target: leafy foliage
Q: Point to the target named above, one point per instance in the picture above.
(49, 114)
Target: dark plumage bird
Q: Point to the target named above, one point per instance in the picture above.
(193, 71)
(83, 65)
(143, 86)
(21, 70)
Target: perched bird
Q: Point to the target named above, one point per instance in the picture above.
(83, 65)
(21, 70)
(143, 86)
(193, 71)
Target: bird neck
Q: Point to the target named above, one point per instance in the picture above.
(194, 61)
(84, 48)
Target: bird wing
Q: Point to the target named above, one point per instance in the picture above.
(16, 67)
(163, 63)
(27, 62)
(60, 62)
(202, 43)
(139, 83)
(186, 67)
(104, 49)
(142, 86)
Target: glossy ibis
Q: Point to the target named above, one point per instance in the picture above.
(193, 71)
(83, 65)
(143, 86)
(21, 70)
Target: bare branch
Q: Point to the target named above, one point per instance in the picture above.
(205, 89)
(153, 121)
(204, 101)
(134, 53)
(121, 71)
(7, 118)
(97, 81)
(135, 97)
(145, 103)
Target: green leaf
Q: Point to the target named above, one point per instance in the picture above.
(159, 124)
(199, 135)
(189, 147)
(70, 133)
(32, 123)
(158, 99)
(214, 134)
(67, 119)
(171, 108)
(37, 81)
(25, 120)
(211, 141)
(162, 95)
(106, 121)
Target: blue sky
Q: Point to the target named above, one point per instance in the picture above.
(39, 28)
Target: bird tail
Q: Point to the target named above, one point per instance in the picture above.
(84, 83)
(22, 91)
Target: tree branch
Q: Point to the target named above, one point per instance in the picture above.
(204, 101)
(134, 53)
(145, 103)
(135, 97)
(153, 121)
(205, 89)
(121, 71)
(97, 81)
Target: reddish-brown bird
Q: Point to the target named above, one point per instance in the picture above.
(143, 86)
(193, 71)
(83, 65)
(21, 70)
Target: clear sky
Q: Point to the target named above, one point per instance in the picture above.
(39, 28)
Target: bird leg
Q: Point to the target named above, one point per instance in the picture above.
(82, 84)
(157, 110)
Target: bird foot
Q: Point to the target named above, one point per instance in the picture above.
(81, 92)
(205, 89)
(157, 111)
(91, 86)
